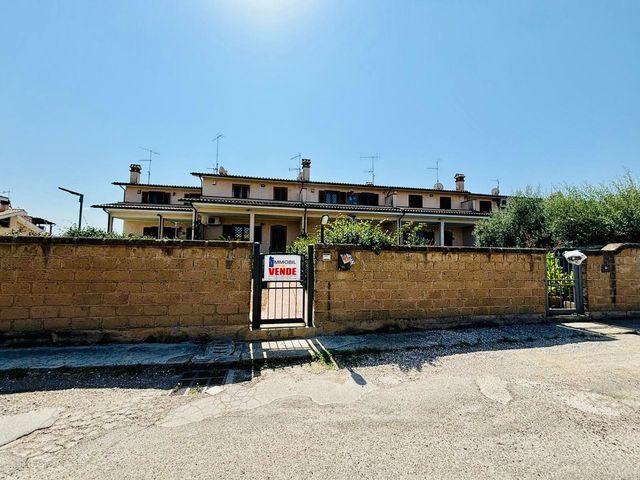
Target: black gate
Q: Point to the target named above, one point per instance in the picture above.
(286, 303)
(563, 286)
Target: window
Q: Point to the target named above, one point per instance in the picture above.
(158, 198)
(192, 195)
(331, 196)
(5, 222)
(365, 198)
(236, 232)
(445, 202)
(281, 193)
(240, 191)
(150, 232)
(415, 201)
(448, 238)
(485, 206)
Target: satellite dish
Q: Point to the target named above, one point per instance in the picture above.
(222, 171)
(495, 191)
(438, 186)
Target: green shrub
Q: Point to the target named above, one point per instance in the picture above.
(346, 230)
(522, 224)
(93, 232)
(582, 216)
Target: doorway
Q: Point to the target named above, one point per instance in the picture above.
(278, 241)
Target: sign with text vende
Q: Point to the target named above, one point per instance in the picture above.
(284, 268)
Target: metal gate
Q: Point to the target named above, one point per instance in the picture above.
(564, 293)
(286, 303)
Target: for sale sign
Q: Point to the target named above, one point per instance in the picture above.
(283, 268)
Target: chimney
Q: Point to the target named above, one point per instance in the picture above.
(391, 199)
(134, 175)
(459, 182)
(4, 203)
(306, 170)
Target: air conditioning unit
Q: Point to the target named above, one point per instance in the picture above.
(503, 203)
(213, 221)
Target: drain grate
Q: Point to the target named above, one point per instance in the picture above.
(195, 382)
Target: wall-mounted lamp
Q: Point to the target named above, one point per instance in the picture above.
(323, 222)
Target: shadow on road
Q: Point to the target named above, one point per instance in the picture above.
(409, 350)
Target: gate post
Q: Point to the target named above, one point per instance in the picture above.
(577, 276)
(256, 288)
(311, 282)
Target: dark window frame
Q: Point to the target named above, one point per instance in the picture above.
(486, 206)
(416, 201)
(368, 198)
(281, 194)
(445, 203)
(240, 191)
(156, 197)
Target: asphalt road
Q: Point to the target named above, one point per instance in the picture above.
(515, 411)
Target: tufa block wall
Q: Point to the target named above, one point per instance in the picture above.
(98, 290)
(613, 280)
(428, 288)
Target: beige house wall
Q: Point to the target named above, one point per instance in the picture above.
(133, 193)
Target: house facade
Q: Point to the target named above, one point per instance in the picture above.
(16, 221)
(275, 211)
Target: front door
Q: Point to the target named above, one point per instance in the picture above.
(278, 239)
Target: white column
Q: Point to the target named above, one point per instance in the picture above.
(252, 226)
(109, 223)
(442, 233)
(193, 225)
(160, 226)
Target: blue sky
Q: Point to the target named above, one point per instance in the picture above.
(530, 92)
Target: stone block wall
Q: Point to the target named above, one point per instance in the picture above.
(99, 290)
(428, 288)
(613, 280)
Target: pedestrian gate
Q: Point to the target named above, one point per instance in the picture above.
(282, 289)
(564, 287)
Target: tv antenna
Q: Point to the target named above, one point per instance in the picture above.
(437, 169)
(216, 170)
(372, 171)
(496, 189)
(298, 167)
(7, 192)
(151, 153)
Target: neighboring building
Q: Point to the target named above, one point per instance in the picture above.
(274, 211)
(16, 221)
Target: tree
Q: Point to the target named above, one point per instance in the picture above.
(521, 224)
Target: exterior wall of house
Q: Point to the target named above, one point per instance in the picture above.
(263, 190)
(133, 193)
(23, 225)
(613, 281)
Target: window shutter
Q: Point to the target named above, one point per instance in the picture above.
(342, 197)
(145, 197)
(322, 196)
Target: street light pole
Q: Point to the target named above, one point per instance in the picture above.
(80, 199)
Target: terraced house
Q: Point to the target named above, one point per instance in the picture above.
(274, 211)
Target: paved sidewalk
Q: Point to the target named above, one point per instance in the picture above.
(225, 351)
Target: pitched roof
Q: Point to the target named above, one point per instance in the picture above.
(158, 185)
(341, 184)
(143, 206)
